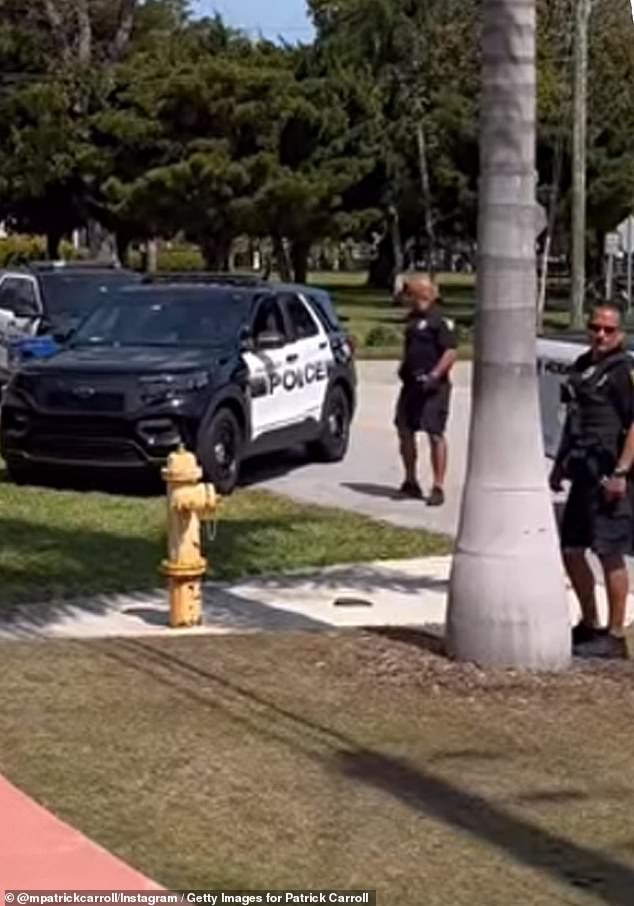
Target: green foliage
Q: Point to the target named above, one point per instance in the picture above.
(382, 335)
(18, 249)
(168, 125)
(178, 259)
(21, 249)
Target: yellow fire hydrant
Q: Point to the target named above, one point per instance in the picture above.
(189, 502)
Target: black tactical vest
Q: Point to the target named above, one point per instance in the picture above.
(595, 429)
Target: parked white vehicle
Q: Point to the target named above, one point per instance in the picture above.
(554, 357)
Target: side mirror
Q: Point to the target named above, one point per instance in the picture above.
(63, 336)
(25, 310)
(246, 340)
(269, 340)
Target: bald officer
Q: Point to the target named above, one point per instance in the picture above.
(423, 405)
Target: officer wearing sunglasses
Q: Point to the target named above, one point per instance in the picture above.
(596, 455)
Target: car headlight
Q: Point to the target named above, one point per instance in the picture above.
(167, 387)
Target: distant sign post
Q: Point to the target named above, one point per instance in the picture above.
(626, 236)
(612, 249)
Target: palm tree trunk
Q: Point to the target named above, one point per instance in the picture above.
(507, 601)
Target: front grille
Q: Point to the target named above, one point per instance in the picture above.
(99, 402)
(82, 449)
(78, 427)
(106, 441)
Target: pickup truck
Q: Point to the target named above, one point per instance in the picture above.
(554, 357)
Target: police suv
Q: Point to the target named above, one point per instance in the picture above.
(48, 299)
(228, 370)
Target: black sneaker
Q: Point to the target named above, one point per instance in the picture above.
(604, 646)
(412, 489)
(583, 633)
(436, 498)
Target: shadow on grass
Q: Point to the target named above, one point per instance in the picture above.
(44, 567)
(49, 570)
(563, 861)
(578, 867)
(52, 570)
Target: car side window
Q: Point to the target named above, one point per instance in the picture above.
(302, 323)
(17, 295)
(268, 319)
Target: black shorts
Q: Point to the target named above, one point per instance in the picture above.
(417, 410)
(591, 523)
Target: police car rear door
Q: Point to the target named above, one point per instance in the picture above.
(20, 311)
(310, 359)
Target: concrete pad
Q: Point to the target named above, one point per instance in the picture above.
(408, 593)
(40, 852)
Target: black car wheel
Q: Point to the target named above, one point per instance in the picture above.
(220, 448)
(332, 446)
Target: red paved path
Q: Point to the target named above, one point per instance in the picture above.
(37, 850)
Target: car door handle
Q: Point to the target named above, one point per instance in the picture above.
(324, 345)
(292, 358)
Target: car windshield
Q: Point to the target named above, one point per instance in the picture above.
(143, 318)
(74, 295)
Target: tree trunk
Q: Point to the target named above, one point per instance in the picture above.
(216, 251)
(123, 33)
(101, 243)
(299, 259)
(553, 203)
(53, 240)
(423, 166)
(123, 249)
(84, 42)
(396, 239)
(281, 258)
(382, 268)
(579, 165)
(507, 600)
(58, 31)
(150, 257)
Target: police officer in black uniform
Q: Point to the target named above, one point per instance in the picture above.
(596, 455)
(423, 404)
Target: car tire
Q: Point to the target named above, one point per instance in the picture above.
(333, 442)
(220, 449)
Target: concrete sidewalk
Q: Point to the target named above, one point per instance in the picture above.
(410, 593)
(40, 852)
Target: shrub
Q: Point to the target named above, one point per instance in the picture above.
(180, 259)
(382, 335)
(15, 250)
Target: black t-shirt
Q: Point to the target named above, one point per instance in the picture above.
(428, 336)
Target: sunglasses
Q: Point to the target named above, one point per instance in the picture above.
(599, 328)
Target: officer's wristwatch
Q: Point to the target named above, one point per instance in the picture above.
(620, 472)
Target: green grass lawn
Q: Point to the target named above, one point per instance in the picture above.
(376, 324)
(65, 543)
(331, 760)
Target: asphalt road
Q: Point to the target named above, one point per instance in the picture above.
(368, 480)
